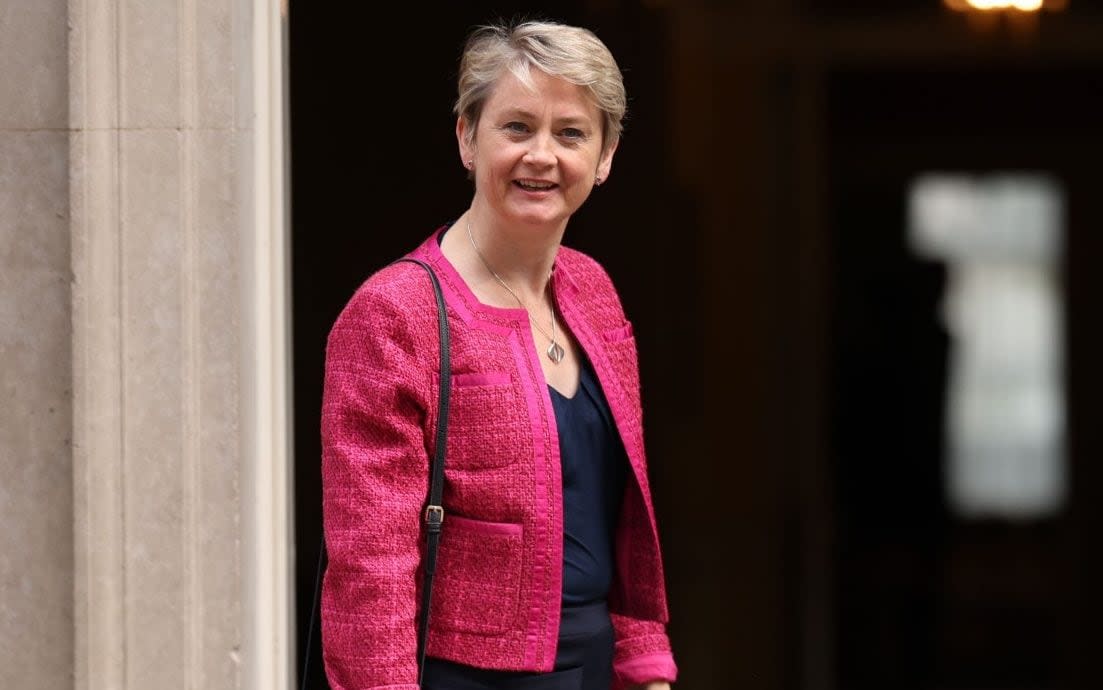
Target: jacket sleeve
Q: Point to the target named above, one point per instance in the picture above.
(374, 481)
(642, 652)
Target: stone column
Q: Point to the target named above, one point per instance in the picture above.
(36, 488)
(164, 189)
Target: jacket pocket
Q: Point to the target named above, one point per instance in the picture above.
(620, 346)
(478, 578)
(486, 412)
(613, 335)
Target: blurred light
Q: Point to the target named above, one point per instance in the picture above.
(1001, 238)
(992, 5)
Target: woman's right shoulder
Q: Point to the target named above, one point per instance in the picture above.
(398, 289)
(392, 314)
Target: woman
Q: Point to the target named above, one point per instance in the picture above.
(549, 573)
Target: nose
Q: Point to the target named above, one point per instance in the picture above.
(540, 151)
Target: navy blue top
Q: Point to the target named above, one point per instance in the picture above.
(595, 469)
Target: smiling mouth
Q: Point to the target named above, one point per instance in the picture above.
(530, 186)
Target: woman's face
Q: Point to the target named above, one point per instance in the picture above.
(536, 152)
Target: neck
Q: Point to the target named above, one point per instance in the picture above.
(522, 257)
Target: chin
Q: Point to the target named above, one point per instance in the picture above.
(539, 218)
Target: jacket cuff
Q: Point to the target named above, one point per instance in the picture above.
(403, 686)
(644, 668)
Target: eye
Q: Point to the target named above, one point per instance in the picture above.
(573, 133)
(515, 128)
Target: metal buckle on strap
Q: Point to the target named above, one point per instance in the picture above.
(434, 515)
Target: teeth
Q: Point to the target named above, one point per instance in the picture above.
(535, 185)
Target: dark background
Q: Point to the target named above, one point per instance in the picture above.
(793, 363)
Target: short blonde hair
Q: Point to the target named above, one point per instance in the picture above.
(568, 52)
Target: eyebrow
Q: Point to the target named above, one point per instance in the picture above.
(527, 115)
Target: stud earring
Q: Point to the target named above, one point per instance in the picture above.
(598, 181)
(470, 164)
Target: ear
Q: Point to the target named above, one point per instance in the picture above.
(605, 163)
(467, 149)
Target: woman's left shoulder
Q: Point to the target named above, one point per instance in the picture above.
(589, 278)
(584, 270)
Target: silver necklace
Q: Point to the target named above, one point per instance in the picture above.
(555, 351)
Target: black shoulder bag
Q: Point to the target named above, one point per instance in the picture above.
(434, 511)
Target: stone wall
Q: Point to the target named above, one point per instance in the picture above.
(143, 433)
(156, 238)
(36, 487)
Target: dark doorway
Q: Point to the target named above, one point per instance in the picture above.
(375, 169)
(927, 598)
(792, 353)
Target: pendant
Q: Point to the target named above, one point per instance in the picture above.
(555, 352)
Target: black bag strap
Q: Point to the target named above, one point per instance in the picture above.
(434, 510)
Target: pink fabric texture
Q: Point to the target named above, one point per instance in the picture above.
(497, 592)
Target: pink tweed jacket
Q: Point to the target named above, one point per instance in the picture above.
(497, 593)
